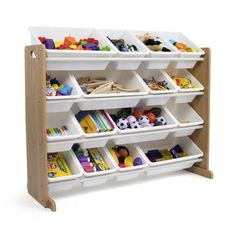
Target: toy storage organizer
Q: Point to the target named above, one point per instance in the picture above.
(43, 112)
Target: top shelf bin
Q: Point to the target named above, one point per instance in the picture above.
(58, 34)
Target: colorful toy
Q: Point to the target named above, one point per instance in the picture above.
(120, 45)
(57, 166)
(70, 43)
(90, 159)
(184, 83)
(55, 88)
(122, 157)
(94, 121)
(138, 118)
(155, 85)
(153, 43)
(182, 47)
(58, 131)
(165, 154)
(178, 152)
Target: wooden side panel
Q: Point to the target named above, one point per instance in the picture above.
(35, 69)
(201, 105)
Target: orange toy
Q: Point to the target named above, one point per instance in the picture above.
(69, 41)
(151, 117)
(137, 113)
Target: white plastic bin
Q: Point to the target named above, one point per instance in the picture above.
(181, 38)
(59, 119)
(131, 40)
(171, 122)
(194, 153)
(158, 75)
(59, 33)
(75, 169)
(128, 80)
(101, 134)
(184, 114)
(106, 157)
(183, 73)
(163, 64)
(134, 152)
(65, 78)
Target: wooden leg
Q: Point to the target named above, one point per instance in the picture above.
(201, 105)
(35, 71)
(51, 204)
(200, 171)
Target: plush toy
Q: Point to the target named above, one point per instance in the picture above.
(143, 119)
(138, 112)
(160, 121)
(50, 91)
(122, 123)
(135, 125)
(156, 111)
(151, 117)
(123, 113)
(131, 119)
(66, 90)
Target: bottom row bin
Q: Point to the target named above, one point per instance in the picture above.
(62, 166)
(169, 151)
(126, 162)
(93, 161)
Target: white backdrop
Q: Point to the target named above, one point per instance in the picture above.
(175, 204)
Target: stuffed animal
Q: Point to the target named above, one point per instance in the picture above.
(122, 123)
(160, 121)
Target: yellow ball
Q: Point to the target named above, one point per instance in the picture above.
(129, 161)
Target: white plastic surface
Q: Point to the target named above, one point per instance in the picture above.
(186, 143)
(59, 119)
(181, 38)
(64, 78)
(157, 64)
(128, 80)
(159, 75)
(183, 73)
(75, 169)
(133, 152)
(184, 112)
(171, 122)
(129, 39)
(59, 33)
(106, 157)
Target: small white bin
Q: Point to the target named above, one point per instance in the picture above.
(158, 75)
(64, 78)
(108, 160)
(101, 134)
(133, 152)
(127, 79)
(171, 122)
(128, 39)
(181, 38)
(59, 119)
(75, 169)
(184, 114)
(183, 73)
(162, 64)
(58, 34)
(186, 143)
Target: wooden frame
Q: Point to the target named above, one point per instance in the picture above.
(35, 70)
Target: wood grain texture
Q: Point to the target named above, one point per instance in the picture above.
(201, 104)
(35, 70)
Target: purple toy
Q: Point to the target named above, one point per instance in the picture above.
(131, 119)
(49, 44)
(138, 161)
